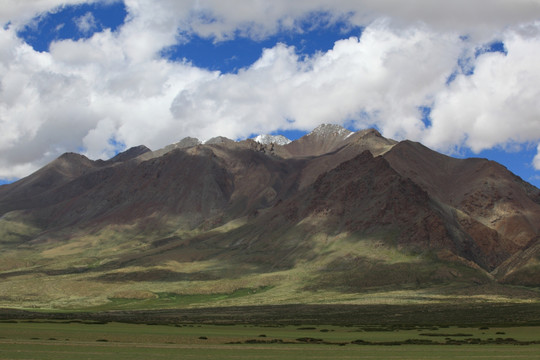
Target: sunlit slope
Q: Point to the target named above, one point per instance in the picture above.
(334, 217)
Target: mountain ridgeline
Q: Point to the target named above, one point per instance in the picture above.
(333, 216)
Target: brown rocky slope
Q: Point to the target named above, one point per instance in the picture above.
(263, 209)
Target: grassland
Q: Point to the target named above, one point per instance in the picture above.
(119, 269)
(194, 296)
(90, 340)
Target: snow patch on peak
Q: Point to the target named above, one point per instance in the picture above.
(331, 130)
(269, 139)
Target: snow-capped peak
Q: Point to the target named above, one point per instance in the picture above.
(269, 139)
(331, 130)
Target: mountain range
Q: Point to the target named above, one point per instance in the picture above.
(333, 217)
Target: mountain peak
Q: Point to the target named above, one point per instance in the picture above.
(187, 142)
(323, 139)
(331, 130)
(218, 140)
(370, 131)
(130, 153)
(269, 139)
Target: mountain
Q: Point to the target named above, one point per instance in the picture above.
(269, 139)
(323, 139)
(335, 216)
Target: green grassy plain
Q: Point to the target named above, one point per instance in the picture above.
(341, 296)
(88, 340)
(127, 267)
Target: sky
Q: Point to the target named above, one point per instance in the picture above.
(99, 76)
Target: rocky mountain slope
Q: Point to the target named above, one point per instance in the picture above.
(332, 216)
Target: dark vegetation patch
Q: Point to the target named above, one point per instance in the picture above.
(468, 341)
(170, 300)
(156, 275)
(68, 271)
(376, 317)
(48, 272)
(86, 322)
(270, 341)
(446, 335)
(6, 275)
(165, 241)
(309, 340)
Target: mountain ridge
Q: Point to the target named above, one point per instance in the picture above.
(334, 212)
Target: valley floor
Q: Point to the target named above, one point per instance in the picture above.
(76, 339)
(434, 331)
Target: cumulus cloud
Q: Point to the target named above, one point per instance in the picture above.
(80, 96)
(536, 160)
(497, 104)
(224, 19)
(19, 13)
(114, 88)
(86, 23)
(381, 78)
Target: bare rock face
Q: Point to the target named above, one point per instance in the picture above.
(131, 153)
(331, 181)
(324, 139)
(218, 140)
(495, 208)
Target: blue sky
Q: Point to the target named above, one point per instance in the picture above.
(72, 22)
(96, 77)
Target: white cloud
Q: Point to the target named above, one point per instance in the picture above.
(84, 93)
(86, 23)
(497, 104)
(385, 75)
(20, 12)
(536, 160)
(258, 18)
(224, 19)
(79, 96)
